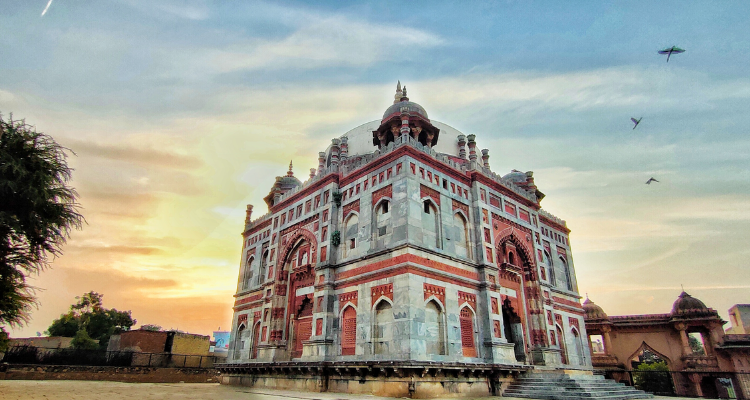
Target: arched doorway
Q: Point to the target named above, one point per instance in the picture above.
(238, 342)
(468, 341)
(348, 331)
(302, 325)
(561, 343)
(577, 348)
(434, 328)
(256, 341)
(383, 328)
(513, 329)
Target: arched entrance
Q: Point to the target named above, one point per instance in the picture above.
(302, 325)
(561, 343)
(238, 343)
(256, 341)
(468, 341)
(513, 329)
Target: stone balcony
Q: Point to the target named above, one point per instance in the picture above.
(604, 361)
(700, 362)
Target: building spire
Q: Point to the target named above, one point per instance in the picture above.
(290, 173)
(399, 93)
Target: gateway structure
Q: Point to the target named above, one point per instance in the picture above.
(404, 266)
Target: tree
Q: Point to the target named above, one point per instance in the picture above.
(696, 346)
(37, 213)
(150, 327)
(90, 316)
(82, 341)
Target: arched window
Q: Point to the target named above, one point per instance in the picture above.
(382, 331)
(262, 269)
(468, 343)
(239, 343)
(550, 269)
(348, 331)
(382, 219)
(564, 274)
(247, 274)
(511, 258)
(256, 341)
(431, 225)
(578, 346)
(434, 328)
(351, 227)
(561, 344)
(463, 246)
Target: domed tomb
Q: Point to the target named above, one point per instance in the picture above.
(405, 117)
(689, 305)
(282, 185)
(592, 311)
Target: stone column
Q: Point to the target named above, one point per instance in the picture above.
(335, 153)
(607, 339)
(344, 148)
(486, 158)
(472, 147)
(248, 213)
(321, 162)
(686, 351)
(405, 131)
(312, 173)
(462, 146)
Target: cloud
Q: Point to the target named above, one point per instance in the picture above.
(46, 8)
(127, 153)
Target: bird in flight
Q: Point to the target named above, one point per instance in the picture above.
(648, 182)
(671, 50)
(636, 121)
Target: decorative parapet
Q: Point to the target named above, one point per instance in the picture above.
(553, 218)
(255, 222)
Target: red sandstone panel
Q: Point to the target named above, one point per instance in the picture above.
(349, 332)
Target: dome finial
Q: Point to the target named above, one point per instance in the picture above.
(290, 172)
(399, 93)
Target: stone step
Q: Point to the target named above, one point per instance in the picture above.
(559, 386)
(582, 392)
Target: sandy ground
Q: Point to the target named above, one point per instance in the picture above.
(96, 390)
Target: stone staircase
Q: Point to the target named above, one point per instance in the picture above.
(560, 386)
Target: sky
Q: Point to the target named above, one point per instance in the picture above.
(180, 113)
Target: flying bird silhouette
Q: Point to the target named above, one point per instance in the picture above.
(671, 50)
(636, 121)
(648, 182)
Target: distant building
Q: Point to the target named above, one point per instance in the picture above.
(49, 342)
(690, 340)
(160, 348)
(739, 316)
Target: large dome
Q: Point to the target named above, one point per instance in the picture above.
(687, 304)
(593, 311)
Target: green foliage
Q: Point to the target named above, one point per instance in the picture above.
(4, 340)
(696, 346)
(152, 328)
(82, 341)
(37, 212)
(335, 238)
(653, 377)
(89, 315)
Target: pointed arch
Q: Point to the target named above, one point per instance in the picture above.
(463, 239)
(435, 323)
(349, 233)
(578, 347)
(292, 243)
(381, 217)
(431, 223)
(348, 330)
(646, 346)
(256, 340)
(511, 235)
(382, 328)
(561, 343)
(467, 318)
(247, 273)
